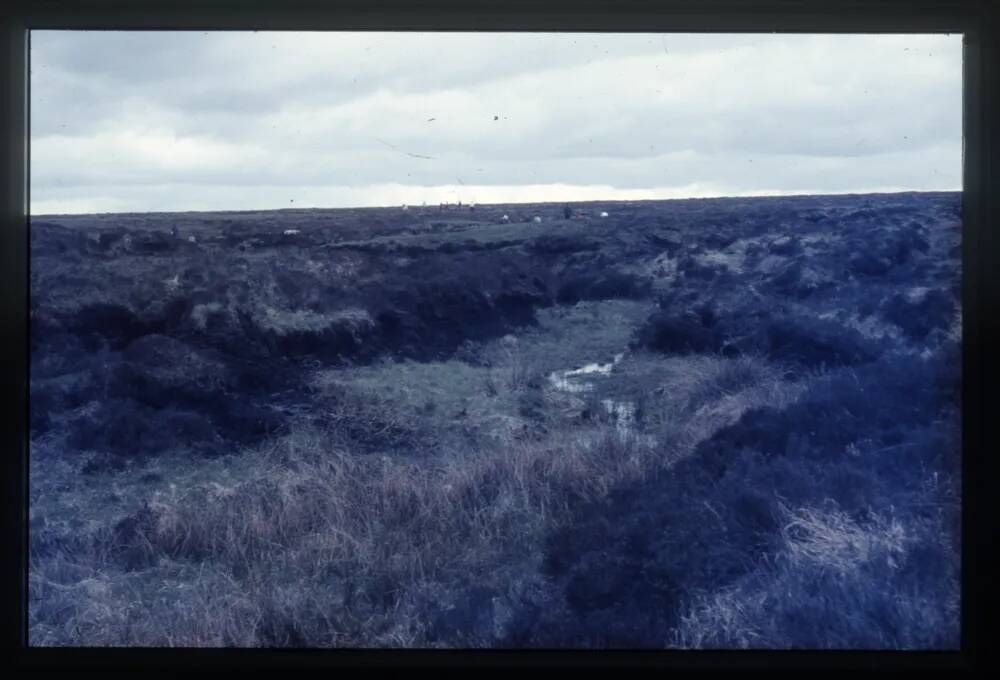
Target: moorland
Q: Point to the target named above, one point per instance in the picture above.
(704, 423)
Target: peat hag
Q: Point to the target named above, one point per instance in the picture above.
(691, 423)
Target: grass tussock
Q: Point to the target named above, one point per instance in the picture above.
(319, 545)
(836, 584)
(321, 530)
(686, 399)
(714, 522)
(322, 543)
(828, 522)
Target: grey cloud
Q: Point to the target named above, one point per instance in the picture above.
(122, 113)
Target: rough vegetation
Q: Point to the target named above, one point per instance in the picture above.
(704, 423)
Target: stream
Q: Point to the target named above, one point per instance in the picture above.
(580, 380)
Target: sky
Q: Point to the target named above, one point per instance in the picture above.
(176, 121)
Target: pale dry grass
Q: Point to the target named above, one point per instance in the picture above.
(352, 538)
(831, 539)
(835, 584)
(318, 545)
(695, 396)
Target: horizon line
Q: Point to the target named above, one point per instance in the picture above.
(400, 206)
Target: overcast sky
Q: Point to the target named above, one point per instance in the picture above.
(161, 121)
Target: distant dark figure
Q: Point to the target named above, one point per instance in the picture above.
(175, 232)
(567, 212)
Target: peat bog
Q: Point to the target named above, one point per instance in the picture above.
(711, 423)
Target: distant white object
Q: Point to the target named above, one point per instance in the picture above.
(406, 207)
(192, 239)
(537, 220)
(604, 214)
(505, 218)
(290, 232)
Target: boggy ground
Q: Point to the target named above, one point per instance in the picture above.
(702, 423)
